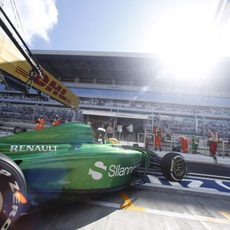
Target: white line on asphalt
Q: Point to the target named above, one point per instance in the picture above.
(103, 203)
(197, 176)
(206, 178)
(205, 175)
(186, 216)
(132, 207)
(154, 179)
(195, 184)
(198, 190)
(222, 185)
(173, 183)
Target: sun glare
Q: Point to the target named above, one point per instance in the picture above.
(188, 42)
(190, 53)
(188, 46)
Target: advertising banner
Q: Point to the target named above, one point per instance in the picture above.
(13, 62)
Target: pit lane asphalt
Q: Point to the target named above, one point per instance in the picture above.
(134, 208)
(211, 169)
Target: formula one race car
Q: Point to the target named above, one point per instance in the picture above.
(65, 158)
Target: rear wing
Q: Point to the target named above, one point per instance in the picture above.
(17, 61)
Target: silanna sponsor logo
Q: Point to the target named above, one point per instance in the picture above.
(111, 170)
(33, 148)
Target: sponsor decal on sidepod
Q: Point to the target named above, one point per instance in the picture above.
(112, 170)
(28, 148)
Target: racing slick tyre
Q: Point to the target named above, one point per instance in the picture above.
(173, 166)
(12, 192)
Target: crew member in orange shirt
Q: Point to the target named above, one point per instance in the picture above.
(57, 121)
(184, 144)
(157, 137)
(40, 124)
(213, 138)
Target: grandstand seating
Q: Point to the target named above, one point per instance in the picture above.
(178, 99)
(187, 114)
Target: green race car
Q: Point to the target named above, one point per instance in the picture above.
(64, 158)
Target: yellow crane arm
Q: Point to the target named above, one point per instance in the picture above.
(14, 62)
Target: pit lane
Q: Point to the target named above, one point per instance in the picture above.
(153, 205)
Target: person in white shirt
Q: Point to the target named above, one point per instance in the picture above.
(109, 131)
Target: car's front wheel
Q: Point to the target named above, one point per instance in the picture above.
(12, 192)
(173, 166)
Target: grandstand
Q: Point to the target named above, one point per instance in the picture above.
(125, 89)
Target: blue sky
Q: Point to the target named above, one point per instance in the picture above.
(100, 25)
(113, 25)
(110, 25)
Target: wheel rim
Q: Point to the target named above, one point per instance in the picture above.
(179, 167)
(1, 201)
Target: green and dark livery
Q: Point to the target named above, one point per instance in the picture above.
(65, 159)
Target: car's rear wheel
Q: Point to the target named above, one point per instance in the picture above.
(12, 192)
(173, 166)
